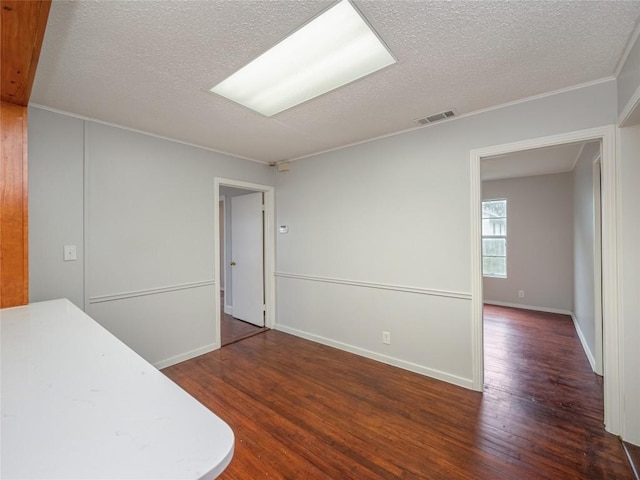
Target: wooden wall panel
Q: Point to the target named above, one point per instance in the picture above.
(22, 27)
(22, 31)
(14, 264)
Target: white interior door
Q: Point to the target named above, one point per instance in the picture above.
(247, 252)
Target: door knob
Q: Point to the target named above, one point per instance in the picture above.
(232, 263)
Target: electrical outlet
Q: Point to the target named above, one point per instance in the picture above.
(520, 293)
(386, 338)
(70, 253)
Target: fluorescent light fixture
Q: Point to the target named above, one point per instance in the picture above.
(335, 48)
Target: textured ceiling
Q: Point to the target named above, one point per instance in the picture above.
(537, 161)
(148, 65)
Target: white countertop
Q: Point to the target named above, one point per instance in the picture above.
(76, 403)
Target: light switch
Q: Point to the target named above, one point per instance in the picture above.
(284, 229)
(70, 253)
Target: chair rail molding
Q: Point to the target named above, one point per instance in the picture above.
(381, 286)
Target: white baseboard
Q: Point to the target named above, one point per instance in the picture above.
(396, 362)
(529, 307)
(185, 356)
(228, 309)
(583, 341)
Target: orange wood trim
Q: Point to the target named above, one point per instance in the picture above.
(22, 27)
(22, 32)
(14, 262)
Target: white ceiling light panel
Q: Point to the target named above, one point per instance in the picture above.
(334, 49)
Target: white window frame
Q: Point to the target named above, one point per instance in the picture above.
(494, 275)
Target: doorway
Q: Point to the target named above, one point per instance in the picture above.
(610, 267)
(541, 231)
(244, 267)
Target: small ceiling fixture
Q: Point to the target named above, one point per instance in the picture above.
(335, 48)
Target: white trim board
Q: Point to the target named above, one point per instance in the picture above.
(150, 291)
(596, 170)
(142, 132)
(583, 341)
(381, 286)
(529, 307)
(458, 117)
(396, 362)
(340, 147)
(629, 114)
(186, 356)
(613, 399)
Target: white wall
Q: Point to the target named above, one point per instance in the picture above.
(149, 212)
(584, 249)
(629, 78)
(539, 242)
(55, 206)
(396, 212)
(379, 234)
(629, 158)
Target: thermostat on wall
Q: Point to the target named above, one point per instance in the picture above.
(284, 228)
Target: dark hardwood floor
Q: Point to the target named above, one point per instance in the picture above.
(535, 368)
(301, 410)
(633, 453)
(233, 330)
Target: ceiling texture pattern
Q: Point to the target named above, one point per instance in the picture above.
(537, 161)
(148, 65)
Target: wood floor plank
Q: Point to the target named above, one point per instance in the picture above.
(233, 330)
(633, 454)
(304, 410)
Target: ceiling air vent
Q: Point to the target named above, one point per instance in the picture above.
(436, 117)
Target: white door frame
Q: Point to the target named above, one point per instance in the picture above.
(269, 248)
(596, 170)
(610, 260)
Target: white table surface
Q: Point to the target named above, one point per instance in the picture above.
(76, 403)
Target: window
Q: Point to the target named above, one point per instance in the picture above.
(494, 238)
